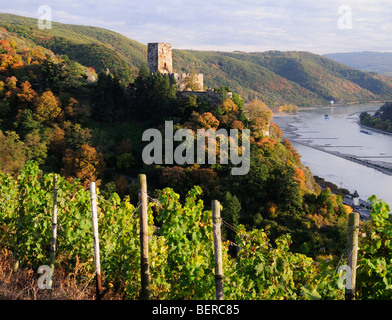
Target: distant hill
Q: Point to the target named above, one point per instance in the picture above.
(300, 78)
(319, 76)
(379, 62)
(90, 46)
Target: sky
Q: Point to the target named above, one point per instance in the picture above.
(318, 26)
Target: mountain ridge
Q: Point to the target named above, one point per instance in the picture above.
(296, 77)
(370, 61)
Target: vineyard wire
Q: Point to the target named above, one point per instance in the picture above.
(225, 223)
(154, 200)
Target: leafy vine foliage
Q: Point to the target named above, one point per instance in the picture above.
(181, 245)
(375, 254)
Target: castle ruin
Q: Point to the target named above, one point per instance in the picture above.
(160, 58)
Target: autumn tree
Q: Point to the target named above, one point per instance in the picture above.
(85, 164)
(26, 95)
(72, 109)
(259, 116)
(47, 107)
(205, 120)
(56, 147)
(6, 61)
(228, 107)
(173, 177)
(289, 108)
(2, 89)
(11, 82)
(18, 97)
(228, 113)
(258, 109)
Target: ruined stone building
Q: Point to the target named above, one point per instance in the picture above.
(160, 58)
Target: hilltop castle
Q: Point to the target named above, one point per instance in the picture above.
(160, 59)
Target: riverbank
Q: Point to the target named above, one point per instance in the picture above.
(381, 166)
(285, 122)
(374, 129)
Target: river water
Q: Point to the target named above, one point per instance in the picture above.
(324, 145)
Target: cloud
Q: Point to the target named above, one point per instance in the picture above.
(255, 25)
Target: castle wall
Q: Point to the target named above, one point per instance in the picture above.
(211, 95)
(160, 58)
(181, 79)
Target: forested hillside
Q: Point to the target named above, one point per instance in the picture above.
(54, 113)
(85, 123)
(379, 62)
(381, 119)
(299, 78)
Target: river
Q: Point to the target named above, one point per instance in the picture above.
(326, 145)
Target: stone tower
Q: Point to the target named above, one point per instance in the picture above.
(160, 58)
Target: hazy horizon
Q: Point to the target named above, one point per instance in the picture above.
(321, 27)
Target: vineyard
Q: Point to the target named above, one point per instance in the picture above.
(181, 246)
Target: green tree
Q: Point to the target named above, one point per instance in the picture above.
(140, 93)
(109, 98)
(156, 93)
(12, 152)
(76, 135)
(51, 74)
(231, 208)
(230, 213)
(36, 147)
(284, 188)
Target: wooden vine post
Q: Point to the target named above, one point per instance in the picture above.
(144, 267)
(54, 231)
(21, 215)
(97, 261)
(216, 226)
(353, 229)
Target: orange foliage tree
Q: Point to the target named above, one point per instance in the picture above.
(228, 106)
(259, 115)
(47, 107)
(20, 97)
(207, 121)
(58, 143)
(5, 62)
(85, 164)
(229, 111)
(25, 95)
